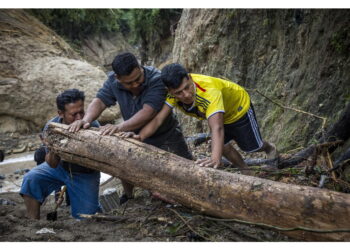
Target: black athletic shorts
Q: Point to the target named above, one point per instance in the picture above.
(245, 132)
(176, 144)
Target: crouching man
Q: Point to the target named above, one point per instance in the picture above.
(224, 104)
(82, 183)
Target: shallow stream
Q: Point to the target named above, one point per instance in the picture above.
(15, 166)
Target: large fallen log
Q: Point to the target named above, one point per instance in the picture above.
(210, 191)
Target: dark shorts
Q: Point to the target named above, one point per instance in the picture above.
(245, 132)
(175, 143)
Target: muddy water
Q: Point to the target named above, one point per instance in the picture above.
(14, 167)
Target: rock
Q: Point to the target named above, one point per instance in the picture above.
(22, 171)
(19, 150)
(2, 177)
(7, 202)
(100, 49)
(109, 191)
(37, 66)
(109, 200)
(8, 151)
(46, 231)
(12, 218)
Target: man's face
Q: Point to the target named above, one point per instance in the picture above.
(185, 93)
(133, 81)
(73, 111)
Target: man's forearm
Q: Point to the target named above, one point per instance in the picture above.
(217, 143)
(149, 129)
(156, 122)
(94, 110)
(216, 124)
(140, 119)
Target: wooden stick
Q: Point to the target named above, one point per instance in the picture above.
(105, 217)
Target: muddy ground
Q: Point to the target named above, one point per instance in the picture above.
(147, 219)
(143, 219)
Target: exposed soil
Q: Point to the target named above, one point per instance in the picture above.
(144, 218)
(148, 219)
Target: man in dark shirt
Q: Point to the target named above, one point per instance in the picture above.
(82, 183)
(140, 93)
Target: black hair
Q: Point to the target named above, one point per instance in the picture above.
(69, 96)
(124, 63)
(173, 74)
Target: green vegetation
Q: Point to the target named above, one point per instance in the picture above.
(145, 23)
(340, 41)
(149, 26)
(265, 22)
(142, 26)
(76, 23)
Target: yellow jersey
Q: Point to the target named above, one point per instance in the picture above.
(214, 95)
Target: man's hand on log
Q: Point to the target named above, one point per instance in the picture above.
(110, 129)
(75, 126)
(208, 163)
(130, 135)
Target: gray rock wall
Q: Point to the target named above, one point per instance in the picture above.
(299, 58)
(35, 66)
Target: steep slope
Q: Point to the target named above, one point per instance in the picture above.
(36, 65)
(299, 58)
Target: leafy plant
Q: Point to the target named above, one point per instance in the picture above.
(76, 23)
(340, 41)
(145, 27)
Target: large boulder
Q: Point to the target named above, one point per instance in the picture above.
(35, 66)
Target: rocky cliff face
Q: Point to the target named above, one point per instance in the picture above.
(36, 65)
(299, 58)
(101, 49)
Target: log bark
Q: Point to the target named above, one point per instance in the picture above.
(210, 191)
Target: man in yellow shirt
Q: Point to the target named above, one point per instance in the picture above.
(225, 105)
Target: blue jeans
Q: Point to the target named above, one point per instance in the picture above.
(82, 188)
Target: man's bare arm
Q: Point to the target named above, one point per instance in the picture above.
(153, 125)
(216, 124)
(142, 117)
(94, 110)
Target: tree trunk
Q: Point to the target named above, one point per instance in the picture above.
(210, 191)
